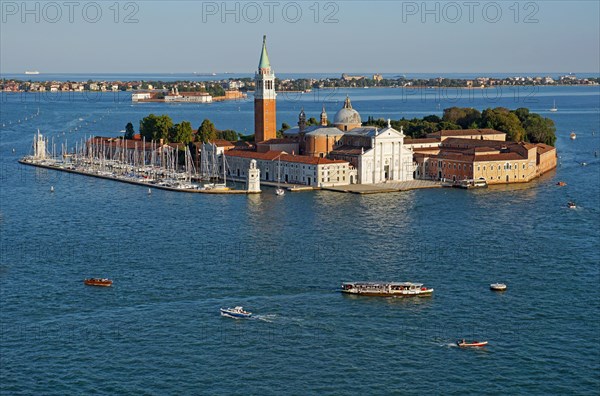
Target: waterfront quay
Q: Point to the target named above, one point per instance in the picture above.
(389, 187)
(161, 184)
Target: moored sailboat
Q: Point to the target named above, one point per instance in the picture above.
(279, 191)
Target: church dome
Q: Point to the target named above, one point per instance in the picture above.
(347, 115)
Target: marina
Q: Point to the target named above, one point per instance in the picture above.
(160, 173)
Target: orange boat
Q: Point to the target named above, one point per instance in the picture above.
(98, 282)
(472, 344)
(561, 183)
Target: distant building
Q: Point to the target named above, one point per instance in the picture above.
(347, 77)
(495, 161)
(480, 134)
(379, 155)
(137, 96)
(292, 169)
(195, 97)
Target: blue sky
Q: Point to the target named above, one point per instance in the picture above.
(345, 36)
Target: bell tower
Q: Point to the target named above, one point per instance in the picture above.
(265, 120)
(323, 117)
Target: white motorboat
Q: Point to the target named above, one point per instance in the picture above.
(498, 286)
(236, 313)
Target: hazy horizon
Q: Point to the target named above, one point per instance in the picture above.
(315, 37)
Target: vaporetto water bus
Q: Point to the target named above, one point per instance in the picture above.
(387, 289)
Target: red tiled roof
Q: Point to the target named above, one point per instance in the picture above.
(194, 93)
(273, 155)
(240, 144)
(457, 156)
(425, 155)
(421, 141)
(471, 143)
(268, 156)
(348, 150)
(222, 143)
(466, 132)
(484, 149)
(278, 141)
(499, 157)
(543, 148)
(425, 149)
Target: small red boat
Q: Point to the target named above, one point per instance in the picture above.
(98, 282)
(472, 344)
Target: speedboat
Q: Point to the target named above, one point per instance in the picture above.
(471, 344)
(573, 135)
(280, 191)
(498, 286)
(104, 282)
(571, 205)
(561, 184)
(236, 313)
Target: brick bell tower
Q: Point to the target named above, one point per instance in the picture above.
(265, 122)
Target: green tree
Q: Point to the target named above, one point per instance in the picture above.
(156, 127)
(312, 121)
(228, 134)
(540, 129)
(129, 131)
(206, 132)
(432, 118)
(215, 90)
(522, 113)
(181, 133)
(284, 127)
(463, 117)
(501, 119)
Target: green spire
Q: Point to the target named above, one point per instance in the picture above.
(264, 57)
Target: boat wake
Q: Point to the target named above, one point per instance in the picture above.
(265, 318)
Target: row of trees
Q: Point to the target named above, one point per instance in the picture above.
(155, 128)
(519, 125)
(160, 127)
(208, 132)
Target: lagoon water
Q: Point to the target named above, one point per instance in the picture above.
(177, 258)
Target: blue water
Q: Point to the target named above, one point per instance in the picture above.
(177, 258)
(225, 76)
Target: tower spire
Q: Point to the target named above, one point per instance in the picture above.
(323, 117)
(265, 122)
(264, 56)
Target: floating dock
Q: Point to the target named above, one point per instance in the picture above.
(63, 167)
